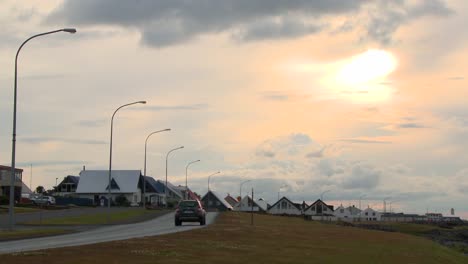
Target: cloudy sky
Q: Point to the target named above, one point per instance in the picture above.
(361, 98)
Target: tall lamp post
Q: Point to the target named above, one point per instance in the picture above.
(360, 212)
(144, 170)
(385, 203)
(240, 193)
(210, 177)
(279, 190)
(167, 157)
(110, 155)
(321, 195)
(13, 145)
(186, 169)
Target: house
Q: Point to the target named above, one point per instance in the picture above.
(94, 184)
(231, 200)
(5, 180)
(67, 186)
(173, 192)
(214, 202)
(401, 217)
(370, 214)
(247, 205)
(350, 213)
(284, 206)
(319, 210)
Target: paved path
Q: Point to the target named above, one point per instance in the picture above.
(158, 226)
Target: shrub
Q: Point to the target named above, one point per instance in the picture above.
(121, 200)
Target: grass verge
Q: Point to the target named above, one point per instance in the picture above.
(19, 210)
(271, 240)
(20, 234)
(97, 219)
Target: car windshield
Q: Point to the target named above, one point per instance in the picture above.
(189, 204)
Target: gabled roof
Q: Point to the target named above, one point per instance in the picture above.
(219, 197)
(260, 205)
(161, 184)
(231, 200)
(152, 183)
(25, 188)
(320, 201)
(97, 181)
(298, 206)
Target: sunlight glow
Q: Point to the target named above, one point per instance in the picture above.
(366, 67)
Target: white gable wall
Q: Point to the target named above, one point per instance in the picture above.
(284, 207)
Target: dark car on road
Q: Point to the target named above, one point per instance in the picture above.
(190, 211)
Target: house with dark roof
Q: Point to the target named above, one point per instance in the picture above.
(350, 213)
(155, 191)
(284, 206)
(67, 187)
(212, 201)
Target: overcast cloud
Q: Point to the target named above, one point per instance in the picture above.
(165, 23)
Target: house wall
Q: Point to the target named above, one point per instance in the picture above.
(133, 198)
(313, 210)
(284, 207)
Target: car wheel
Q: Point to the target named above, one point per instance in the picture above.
(203, 221)
(48, 203)
(177, 223)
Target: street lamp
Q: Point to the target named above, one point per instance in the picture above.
(13, 144)
(186, 168)
(321, 195)
(279, 190)
(385, 203)
(240, 193)
(110, 154)
(167, 156)
(144, 173)
(209, 179)
(360, 197)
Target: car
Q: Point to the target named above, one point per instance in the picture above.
(43, 200)
(190, 211)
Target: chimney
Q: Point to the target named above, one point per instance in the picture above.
(84, 167)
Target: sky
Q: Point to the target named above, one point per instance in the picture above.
(304, 98)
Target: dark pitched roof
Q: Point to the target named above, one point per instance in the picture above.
(218, 197)
(153, 184)
(298, 206)
(320, 201)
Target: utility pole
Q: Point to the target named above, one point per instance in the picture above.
(251, 211)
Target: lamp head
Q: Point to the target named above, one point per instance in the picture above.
(142, 102)
(70, 30)
(167, 129)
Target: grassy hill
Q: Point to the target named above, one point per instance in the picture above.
(270, 240)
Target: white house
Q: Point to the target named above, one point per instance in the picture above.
(94, 184)
(319, 210)
(370, 214)
(245, 205)
(350, 213)
(284, 206)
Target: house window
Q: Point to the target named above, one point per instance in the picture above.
(367, 213)
(342, 211)
(284, 204)
(217, 203)
(134, 198)
(373, 213)
(210, 203)
(278, 206)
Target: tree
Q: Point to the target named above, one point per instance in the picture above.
(40, 189)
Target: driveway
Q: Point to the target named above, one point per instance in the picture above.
(158, 226)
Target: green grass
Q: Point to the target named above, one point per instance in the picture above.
(20, 234)
(270, 240)
(18, 210)
(93, 219)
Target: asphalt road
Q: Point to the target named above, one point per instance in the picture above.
(158, 226)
